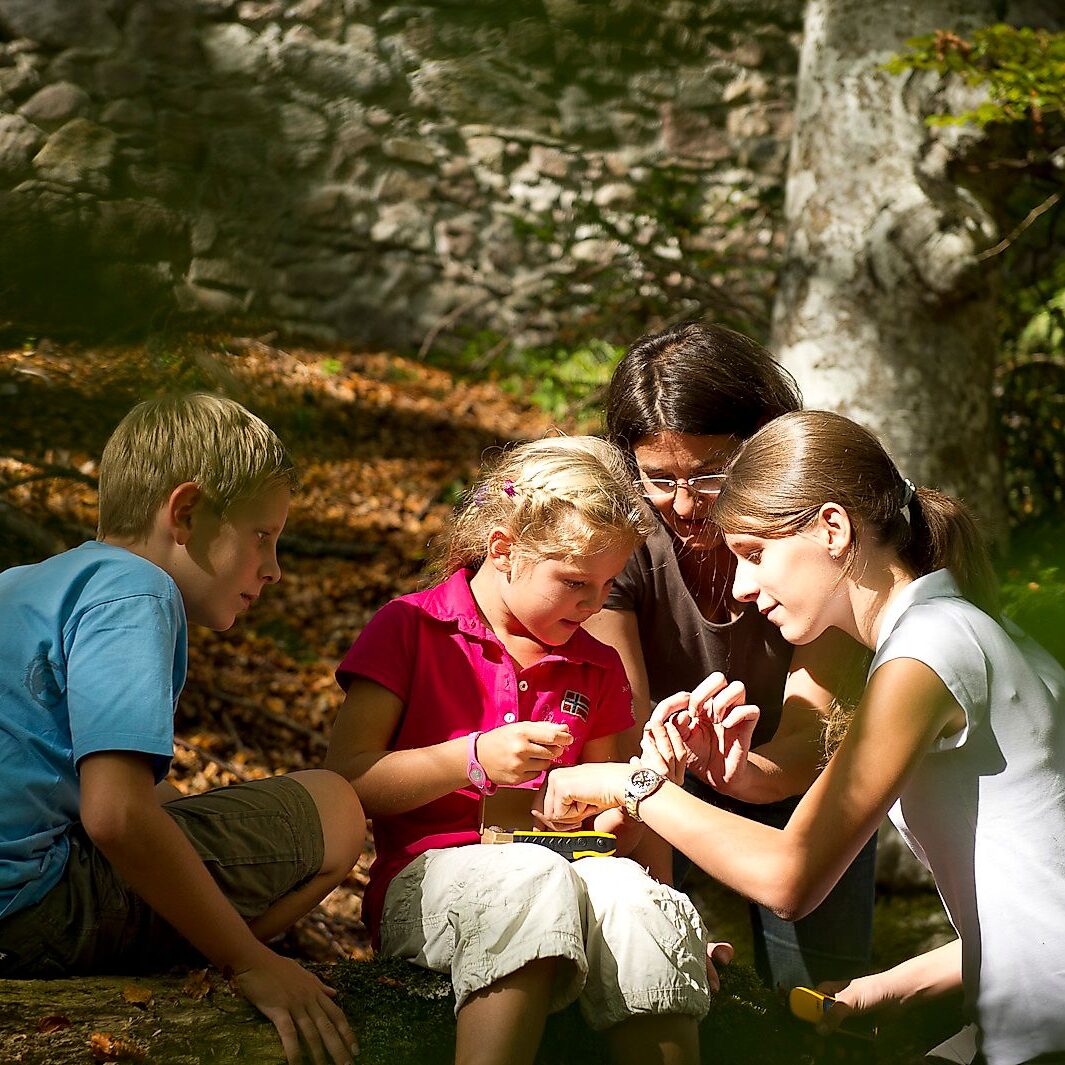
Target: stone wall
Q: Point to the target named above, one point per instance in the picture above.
(402, 174)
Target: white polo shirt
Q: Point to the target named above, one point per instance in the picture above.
(985, 810)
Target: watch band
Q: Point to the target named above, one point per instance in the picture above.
(475, 772)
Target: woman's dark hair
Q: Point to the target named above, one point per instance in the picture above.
(779, 479)
(699, 379)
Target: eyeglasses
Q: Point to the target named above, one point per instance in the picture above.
(661, 489)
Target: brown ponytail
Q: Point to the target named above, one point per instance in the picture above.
(944, 535)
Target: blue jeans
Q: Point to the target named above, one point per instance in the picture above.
(834, 942)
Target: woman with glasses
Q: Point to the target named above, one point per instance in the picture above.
(680, 404)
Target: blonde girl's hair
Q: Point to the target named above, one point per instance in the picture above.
(776, 484)
(561, 497)
(214, 442)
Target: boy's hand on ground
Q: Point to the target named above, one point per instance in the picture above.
(301, 1008)
(514, 754)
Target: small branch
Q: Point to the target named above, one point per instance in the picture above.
(448, 320)
(1032, 215)
(229, 767)
(310, 548)
(16, 525)
(316, 738)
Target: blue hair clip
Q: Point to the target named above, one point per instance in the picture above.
(480, 495)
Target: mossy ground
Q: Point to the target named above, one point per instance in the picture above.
(404, 1014)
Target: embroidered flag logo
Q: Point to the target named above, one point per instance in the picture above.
(576, 704)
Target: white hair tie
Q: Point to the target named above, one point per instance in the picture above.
(909, 489)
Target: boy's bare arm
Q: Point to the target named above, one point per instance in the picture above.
(122, 815)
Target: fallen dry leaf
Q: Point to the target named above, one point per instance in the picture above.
(56, 1022)
(198, 985)
(137, 996)
(106, 1047)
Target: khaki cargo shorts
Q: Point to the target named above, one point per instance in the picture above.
(259, 840)
(626, 944)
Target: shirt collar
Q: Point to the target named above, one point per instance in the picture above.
(939, 584)
(452, 602)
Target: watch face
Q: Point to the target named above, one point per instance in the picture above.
(477, 776)
(643, 781)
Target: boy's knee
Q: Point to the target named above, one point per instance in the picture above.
(341, 816)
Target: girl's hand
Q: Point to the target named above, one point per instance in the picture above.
(570, 823)
(861, 995)
(580, 790)
(722, 709)
(673, 739)
(514, 754)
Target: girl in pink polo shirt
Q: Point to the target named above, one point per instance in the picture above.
(488, 679)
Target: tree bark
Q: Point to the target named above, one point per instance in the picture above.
(884, 313)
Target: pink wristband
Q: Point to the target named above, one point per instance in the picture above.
(474, 770)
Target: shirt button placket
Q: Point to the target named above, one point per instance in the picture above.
(523, 686)
(510, 700)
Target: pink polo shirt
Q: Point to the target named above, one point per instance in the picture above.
(434, 652)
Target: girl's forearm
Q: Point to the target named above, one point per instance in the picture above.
(395, 782)
(929, 975)
(770, 866)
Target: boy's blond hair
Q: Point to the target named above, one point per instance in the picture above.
(561, 497)
(214, 442)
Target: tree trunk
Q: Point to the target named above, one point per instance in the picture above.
(884, 312)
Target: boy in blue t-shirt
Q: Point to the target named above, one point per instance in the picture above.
(102, 866)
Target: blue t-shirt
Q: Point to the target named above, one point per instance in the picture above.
(93, 651)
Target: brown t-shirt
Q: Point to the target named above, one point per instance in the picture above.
(680, 647)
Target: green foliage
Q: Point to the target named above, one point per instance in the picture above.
(1029, 389)
(405, 1015)
(1032, 582)
(330, 367)
(1023, 70)
(569, 384)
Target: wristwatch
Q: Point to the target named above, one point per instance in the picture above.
(642, 783)
(474, 770)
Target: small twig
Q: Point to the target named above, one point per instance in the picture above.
(232, 730)
(229, 767)
(316, 738)
(308, 548)
(449, 319)
(1032, 215)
